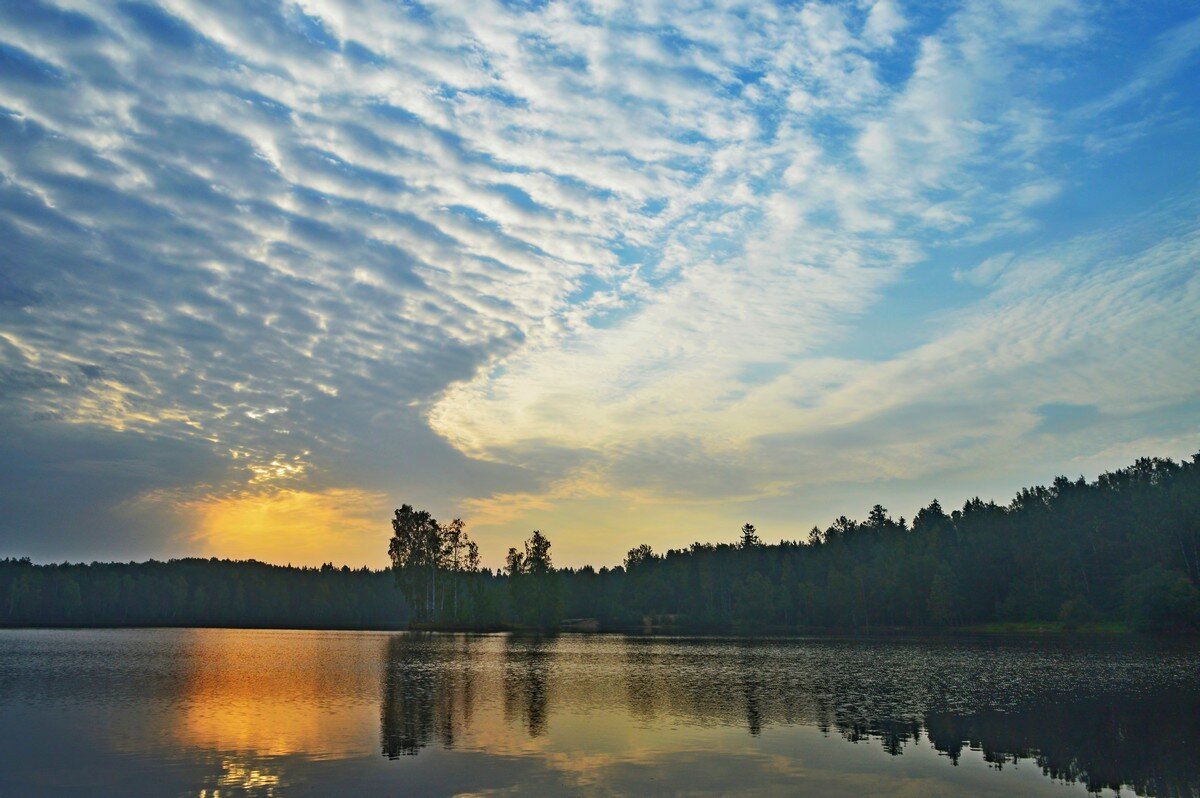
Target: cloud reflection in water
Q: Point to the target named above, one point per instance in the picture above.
(239, 712)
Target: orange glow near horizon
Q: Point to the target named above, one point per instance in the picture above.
(285, 525)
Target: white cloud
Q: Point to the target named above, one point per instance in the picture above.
(884, 21)
(607, 238)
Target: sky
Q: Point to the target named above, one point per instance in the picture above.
(625, 273)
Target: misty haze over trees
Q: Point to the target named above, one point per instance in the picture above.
(1124, 548)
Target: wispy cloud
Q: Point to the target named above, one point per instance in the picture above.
(497, 258)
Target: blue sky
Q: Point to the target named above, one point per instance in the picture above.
(627, 273)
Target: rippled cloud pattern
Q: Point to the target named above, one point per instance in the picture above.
(626, 271)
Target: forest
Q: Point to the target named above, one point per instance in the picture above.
(1119, 552)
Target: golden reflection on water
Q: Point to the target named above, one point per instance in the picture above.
(256, 696)
(503, 697)
(262, 712)
(242, 777)
(271, 694)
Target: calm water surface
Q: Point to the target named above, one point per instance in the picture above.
(208, 712)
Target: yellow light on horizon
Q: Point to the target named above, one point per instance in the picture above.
(288, 525)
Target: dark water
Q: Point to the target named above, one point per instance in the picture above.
(218, 713)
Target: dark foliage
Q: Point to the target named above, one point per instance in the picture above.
(1124, 548)
(197, 592)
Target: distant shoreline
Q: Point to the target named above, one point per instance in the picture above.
(1105, 557)
(978, 630)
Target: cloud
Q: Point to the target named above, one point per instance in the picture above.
(1173, 50)
(485, 257)
(884, 21)
(1060, 417)
(817, 251)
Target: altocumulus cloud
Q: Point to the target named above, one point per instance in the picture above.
(632, 271)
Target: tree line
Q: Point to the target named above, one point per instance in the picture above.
(1122, 549)
(197, 592)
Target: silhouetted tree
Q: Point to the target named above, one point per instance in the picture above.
(417, 552)
(534, 584)
(1124, 548)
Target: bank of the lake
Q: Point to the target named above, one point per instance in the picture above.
(1122, 551)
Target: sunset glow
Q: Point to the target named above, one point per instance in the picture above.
(288, 525)
(624, 273)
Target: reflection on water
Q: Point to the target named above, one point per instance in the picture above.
(427, 693)
(244, 778)
(240, 692)
(526, 675)
(222, 712)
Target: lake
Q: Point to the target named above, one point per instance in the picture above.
(218, 712)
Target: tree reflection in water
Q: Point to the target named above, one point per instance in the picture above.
(1079, 717)
(1150, 743)
(428, 691)
(527, 665)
